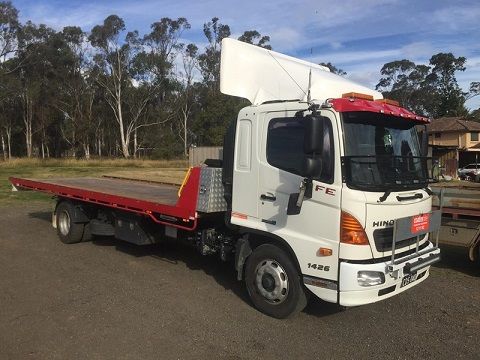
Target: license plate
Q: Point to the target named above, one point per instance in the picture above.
(408, 279)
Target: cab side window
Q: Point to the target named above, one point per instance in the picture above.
(285, 147)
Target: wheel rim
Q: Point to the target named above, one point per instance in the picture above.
(64, 223)
(271, 281)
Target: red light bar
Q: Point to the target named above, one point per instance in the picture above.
(348, 105)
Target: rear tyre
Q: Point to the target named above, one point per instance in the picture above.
(68, 231)
(273, 282)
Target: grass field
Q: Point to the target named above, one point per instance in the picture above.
(169, 171)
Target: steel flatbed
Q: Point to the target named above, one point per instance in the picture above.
(166, 204)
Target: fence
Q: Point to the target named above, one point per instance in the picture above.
(197, 155)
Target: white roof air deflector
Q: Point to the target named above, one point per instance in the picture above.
(260, 75)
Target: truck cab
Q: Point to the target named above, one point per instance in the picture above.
(371, 174)
(368, 171)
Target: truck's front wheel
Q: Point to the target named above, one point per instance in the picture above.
(273, 282)
(68, 231)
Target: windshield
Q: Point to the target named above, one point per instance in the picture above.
(382, 153)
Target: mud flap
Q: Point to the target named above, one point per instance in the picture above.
(474, 251)
(242, 252)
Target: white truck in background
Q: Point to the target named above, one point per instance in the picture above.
(323, 189)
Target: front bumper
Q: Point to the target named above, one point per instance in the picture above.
(352, 294)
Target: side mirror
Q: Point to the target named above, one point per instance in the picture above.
(312, 161)
(312, 166)
(313, 145)
(313, 138)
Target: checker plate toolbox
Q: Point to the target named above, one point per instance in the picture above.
(210, 191)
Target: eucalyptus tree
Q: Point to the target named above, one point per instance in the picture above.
(429, 89)
(9, 27)
(209, 61)
(37, 67)
(255, 38)
(333, 69)
(9, 114)
(113, 60)
(77, 93)
(474, 89)
(216, 110)
(408, 83)
(451, 99)
(161, 47)
(155, 78)
(190, 63)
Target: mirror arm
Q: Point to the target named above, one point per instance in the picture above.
(306, 188)
(301, 195)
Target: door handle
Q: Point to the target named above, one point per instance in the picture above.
(268, 196)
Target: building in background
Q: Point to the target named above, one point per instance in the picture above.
(455, 142)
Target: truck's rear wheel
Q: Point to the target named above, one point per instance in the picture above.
(273, 282)
(68, 231)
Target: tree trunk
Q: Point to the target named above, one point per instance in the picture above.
(135, 144)
(28, 140)
(74, 141)
(4, 148)
(185, 150)
(99, 146)
(123, 137)
(27, 120)
(86, 150)
(125, 150)
(43, 150)
(9, 142)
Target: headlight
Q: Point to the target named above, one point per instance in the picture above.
(370, 278)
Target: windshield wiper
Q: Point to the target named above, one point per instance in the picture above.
(384, 196)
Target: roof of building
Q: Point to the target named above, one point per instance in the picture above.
(453, 124)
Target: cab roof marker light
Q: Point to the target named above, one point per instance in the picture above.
(360, 96)
(388, 102)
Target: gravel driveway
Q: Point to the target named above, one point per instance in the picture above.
(111, 300)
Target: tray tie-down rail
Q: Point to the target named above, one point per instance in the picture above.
(415, 226)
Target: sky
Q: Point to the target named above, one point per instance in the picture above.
(358, 36)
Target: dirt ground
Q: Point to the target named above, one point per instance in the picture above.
(111, 300)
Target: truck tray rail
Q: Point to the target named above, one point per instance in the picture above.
(457, 200)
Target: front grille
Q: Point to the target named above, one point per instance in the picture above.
(383, 240)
